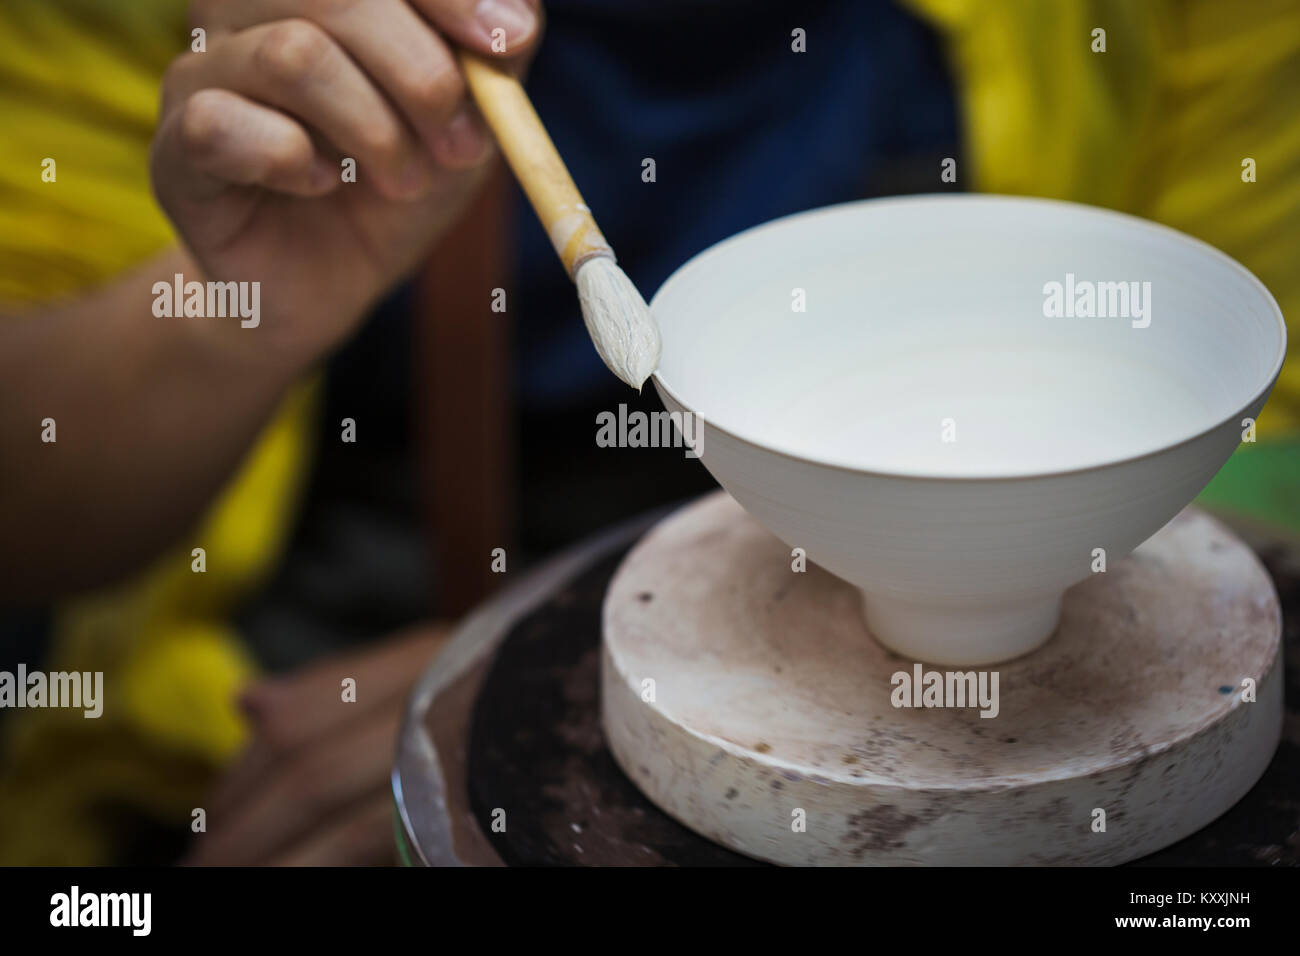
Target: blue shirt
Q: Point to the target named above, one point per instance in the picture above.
(741, 129)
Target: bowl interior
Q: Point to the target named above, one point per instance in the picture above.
(932, 343)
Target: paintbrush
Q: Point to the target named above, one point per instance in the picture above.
(617, 318)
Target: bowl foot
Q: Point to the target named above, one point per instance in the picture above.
(961, 634)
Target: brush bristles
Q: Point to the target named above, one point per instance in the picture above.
(618, 321)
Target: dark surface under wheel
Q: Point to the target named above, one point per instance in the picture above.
(534, 755)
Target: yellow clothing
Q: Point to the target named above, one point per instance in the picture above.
(79, 85)
(1158, 125)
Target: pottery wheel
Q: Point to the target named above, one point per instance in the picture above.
(749, 702)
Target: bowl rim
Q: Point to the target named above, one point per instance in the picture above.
(701, 259)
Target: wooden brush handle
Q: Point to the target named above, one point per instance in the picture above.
(536, 164)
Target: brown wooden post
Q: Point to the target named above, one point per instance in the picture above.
(463, 399)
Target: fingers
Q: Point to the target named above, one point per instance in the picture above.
(388, 39)
(293, 710)
(470, 23)
(288, 714)
(298, 68)
(361, 836)
(376, 80)
(400, 47)
(231, 140)
(314, 755)
(301, 795)
(475, 23)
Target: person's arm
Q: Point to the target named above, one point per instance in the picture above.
(313, 152)
(149, 417)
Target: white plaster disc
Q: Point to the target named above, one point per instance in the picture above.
(771, 706)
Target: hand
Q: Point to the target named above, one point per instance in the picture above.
(313, 787)
(247, 158)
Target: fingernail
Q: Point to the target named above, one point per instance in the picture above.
(460, 139)
(514, 16)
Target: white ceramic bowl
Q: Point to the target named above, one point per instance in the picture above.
(924, 431)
